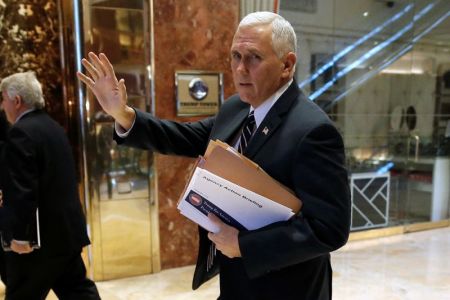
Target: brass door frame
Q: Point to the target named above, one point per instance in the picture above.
(72, 32)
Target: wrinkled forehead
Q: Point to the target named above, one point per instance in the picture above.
(258, 29)
(252, 36)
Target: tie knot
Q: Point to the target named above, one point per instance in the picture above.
(250, 119)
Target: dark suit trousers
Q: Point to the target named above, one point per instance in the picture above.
(32, 276)
(2, 266)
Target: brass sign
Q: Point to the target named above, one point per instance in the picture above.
(198, 93)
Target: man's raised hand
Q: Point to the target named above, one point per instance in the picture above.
(110, 93)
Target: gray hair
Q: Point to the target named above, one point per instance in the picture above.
(26, 86)
(284, 39)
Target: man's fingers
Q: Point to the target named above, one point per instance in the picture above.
(98, 65)
(212, 238)
(21, 248)
(107, 66)
(122, 89)
(213, 218)
(88, 81)
(215, 237)
(90, 69)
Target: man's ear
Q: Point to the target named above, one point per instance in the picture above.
(290, 60)
(18, 101)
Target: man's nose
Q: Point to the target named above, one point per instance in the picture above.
(242, 68)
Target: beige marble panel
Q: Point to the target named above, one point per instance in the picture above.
(125, 237)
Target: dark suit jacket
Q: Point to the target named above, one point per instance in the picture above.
(40, 172)
(3, 130)
(4, 126)
(303, 151)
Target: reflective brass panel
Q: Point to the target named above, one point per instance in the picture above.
(126, 238)
(120, 187)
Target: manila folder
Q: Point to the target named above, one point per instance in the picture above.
(230, 166)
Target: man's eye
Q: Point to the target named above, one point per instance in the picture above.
(236, 56)
(254, 58)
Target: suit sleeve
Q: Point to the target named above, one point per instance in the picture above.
(21, 187)
(320, 181)
(3, 211)
(168, 137)
(3, 126)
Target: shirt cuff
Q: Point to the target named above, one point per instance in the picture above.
(21, 242)
(121, 131)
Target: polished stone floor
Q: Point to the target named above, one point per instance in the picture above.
(406, 267)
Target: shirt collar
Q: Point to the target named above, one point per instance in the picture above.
(262, 110)
(24, 113)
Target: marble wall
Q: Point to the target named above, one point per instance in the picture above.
(29, 41)
(188, 35)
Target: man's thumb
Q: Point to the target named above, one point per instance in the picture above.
(122, 89)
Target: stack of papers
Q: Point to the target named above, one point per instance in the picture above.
(236, 190)
(35, 236)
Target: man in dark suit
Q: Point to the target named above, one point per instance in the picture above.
(39, 172)
(3, 126)
(3, 130)
(292, 140)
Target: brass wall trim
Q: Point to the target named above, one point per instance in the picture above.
(396, 230)
(376, 233)
(426, 226)
(154, 220)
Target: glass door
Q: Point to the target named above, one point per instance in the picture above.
(120, 183)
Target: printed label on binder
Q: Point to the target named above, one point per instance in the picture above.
(205, 206)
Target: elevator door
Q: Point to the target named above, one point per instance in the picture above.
(121, 179)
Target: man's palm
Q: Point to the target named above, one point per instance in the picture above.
(110, 93)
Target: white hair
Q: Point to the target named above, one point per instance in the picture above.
(284, 39)
(26, 86)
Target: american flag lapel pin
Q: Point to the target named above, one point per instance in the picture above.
(265, 130)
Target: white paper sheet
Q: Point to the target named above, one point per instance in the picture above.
(237, 206)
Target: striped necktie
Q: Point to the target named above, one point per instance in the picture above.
(247, 132)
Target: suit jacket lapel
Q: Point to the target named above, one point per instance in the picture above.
(229, 133)
(273, 120)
